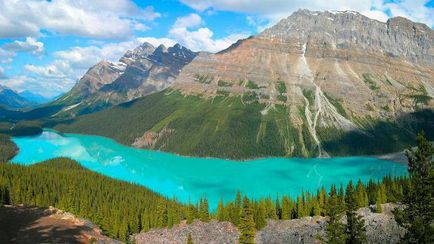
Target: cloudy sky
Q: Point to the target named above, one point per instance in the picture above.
(46, 46)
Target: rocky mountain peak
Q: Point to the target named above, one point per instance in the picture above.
(140, 52)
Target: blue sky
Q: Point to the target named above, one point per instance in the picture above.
(46, 46)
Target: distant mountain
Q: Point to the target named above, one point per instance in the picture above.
(139, 72)
(34, 97)
(314, 84)
(12, 100)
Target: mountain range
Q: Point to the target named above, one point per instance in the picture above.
(315, 84)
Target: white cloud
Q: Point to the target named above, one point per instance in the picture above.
(275, 10)
(44, 86)
(100, 19)
(1, 72)
(6, 56)
(186, 31)
(189, 21)
(157, 41)
(29, 45)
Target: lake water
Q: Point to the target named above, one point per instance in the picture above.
(190, 178)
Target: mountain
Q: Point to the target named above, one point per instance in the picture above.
(12, 100)
(34, 97)
(315, 84)
(142, 71)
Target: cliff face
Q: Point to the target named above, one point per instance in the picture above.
(336, 71)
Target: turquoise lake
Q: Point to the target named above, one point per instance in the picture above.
(190, 178)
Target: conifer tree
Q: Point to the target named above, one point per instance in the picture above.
(271, 209)
(247, 224)
(356, 232)
(418, 215)
(261, 219)
(300, 207)
(286, 208)
(341, 199)
(221, 211)
(361, 195)
(335, 230)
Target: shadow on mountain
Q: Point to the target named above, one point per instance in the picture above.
(381, 136)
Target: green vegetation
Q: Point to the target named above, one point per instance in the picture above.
(310, 96)
(224, 83)
(370, 82)
(281, 87)
(282, 98)
(335, 230)
(355, 229)
(205, 79)
(250, 96)
(239, 127)
(251, 85)
(334, 204)
(421, 96)
(119, 208)
(379, 137)
(418, 215)
(337, 103)
(247, 224)
(8, 149)
(225, 127)
(22, 128)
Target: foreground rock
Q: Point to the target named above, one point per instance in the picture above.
(380, 227)
(20, 224)
(212, 232)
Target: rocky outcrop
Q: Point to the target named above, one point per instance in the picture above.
(380, 227)
(213, 233)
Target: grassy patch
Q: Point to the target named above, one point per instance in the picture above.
(309, 94)
(282, 98)
(252, 85)
(370, 82)
(223, 83)
(281, 87)
(337, 103)
(205, 79)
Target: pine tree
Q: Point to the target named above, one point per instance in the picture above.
(271, 209)
(237, 210)
(361, 195)
(341, 199)
(356, 232)
(300, 207)
(247, 224)
(221, 211)
(261, 219)
(286, 208)
(418, 216)
(335, 230)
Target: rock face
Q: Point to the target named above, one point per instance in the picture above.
(139, 72)
(336, 72)
(380, 227)
(213, 233)
(12, 100)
